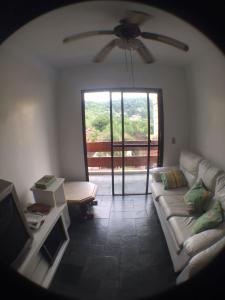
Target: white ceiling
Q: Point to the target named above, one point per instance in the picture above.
(42, 37)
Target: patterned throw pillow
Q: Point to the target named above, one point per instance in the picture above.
(180, 178)
(173, 179)
(212, 218)
(197, 198)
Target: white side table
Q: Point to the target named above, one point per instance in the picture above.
(54, 196)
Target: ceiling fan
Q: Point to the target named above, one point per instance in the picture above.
(126, 37)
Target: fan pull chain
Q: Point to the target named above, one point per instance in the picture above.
(127, 66)
(126, 63)
(132, 68)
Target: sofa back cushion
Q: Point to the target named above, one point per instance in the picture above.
(208, 174)
(189, 165)
(220, 184)
(220, 190)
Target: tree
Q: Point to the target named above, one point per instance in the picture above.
(101, 121)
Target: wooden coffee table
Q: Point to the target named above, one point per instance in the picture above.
(81, 193)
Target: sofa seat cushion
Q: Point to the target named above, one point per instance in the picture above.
(173, 206)
(158, 190)
(182, 228)
(201, 241)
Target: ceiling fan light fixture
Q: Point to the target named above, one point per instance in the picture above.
(127, 32)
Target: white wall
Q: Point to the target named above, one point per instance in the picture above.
(27, 122)
(206, 79)
(73, 80)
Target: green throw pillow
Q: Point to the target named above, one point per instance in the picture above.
(212, 218)
(197, 198)
(157, 172)
(156, 176)
(173, 179)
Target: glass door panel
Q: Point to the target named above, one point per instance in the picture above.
(154, 132)
(136, 160)
(97, 124)
(118, 171)
(116, 116)
(154, 119)
(135, 117)
(135, 111)
(134, 133)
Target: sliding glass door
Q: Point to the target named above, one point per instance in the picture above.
(135, 137)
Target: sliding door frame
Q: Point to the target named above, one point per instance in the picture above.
(160, 131)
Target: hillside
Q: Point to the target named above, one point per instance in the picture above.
(97, 115)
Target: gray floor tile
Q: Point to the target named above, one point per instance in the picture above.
(108, 289)
(120, 254)
(104, 267)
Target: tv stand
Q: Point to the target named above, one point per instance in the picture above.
(54, 195)
(49, 244)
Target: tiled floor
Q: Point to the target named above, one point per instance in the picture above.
(120, 254)
(133, 183)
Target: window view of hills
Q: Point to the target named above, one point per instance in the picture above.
(135, 117)
(97, 117)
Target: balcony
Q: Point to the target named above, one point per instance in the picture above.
(132, 163)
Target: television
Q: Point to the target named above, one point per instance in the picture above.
(54, 242)
(15, 235)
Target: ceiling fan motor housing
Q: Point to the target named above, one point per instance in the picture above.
(127, 31)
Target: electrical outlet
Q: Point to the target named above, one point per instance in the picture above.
(173, 140)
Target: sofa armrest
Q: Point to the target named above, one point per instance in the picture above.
(201, 260)
(155, 172)
(203, 240)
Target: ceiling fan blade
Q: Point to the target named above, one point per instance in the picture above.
(86, 34)
(136, 17)
(105, 51)
(165, 39)
(143, 51)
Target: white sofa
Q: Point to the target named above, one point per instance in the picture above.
(189, 253)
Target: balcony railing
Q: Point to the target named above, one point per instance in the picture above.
(104, 162)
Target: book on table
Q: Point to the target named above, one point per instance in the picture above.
(45, 181)
(39, 208)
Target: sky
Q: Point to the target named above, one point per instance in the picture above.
(105, 96)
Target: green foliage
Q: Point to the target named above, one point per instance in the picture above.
(101, 121)
(135, 120)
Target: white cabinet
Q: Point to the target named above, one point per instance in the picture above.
(49, 244)
(54, 195)
(51, 239)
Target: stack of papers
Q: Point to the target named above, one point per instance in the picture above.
(34, 220)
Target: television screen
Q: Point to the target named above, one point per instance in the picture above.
(54, 242)
(15, 236)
